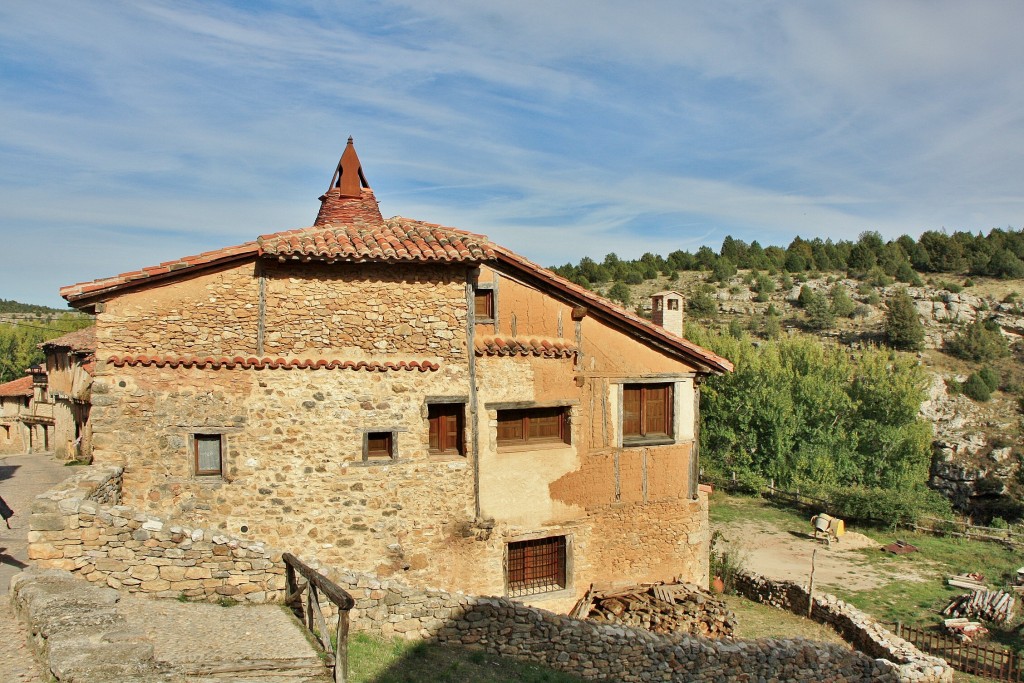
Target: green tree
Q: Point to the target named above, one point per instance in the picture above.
(702, 304)
(819, 313)
(842, 304)
(979, 341)
(619, 292)
(903, 328)
(976, 388)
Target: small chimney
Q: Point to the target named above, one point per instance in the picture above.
(667, 311)
(349, 198)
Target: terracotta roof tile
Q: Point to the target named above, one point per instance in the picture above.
(396, 239)
(253, 363)
(533, 346)
(19, 387)
(79, 340)
(96, 287)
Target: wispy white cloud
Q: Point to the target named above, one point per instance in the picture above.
(136, 132)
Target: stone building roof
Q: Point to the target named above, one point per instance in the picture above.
(394, 239)
(81, 341)
(17, 388)
(349, 227)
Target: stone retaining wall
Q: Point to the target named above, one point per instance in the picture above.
(859, 629)
(79, 527)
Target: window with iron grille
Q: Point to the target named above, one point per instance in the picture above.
(446, 428)
(208, 450)
(537, 566)
(647, 413)
(533, 426)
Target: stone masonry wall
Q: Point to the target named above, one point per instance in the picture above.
(80, 527)
(856, 627)
(209, 314)
(598, 651)
(365, 308)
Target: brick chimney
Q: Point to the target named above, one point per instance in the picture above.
(667, 311)
(349, 199)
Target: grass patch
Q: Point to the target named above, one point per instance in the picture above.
(373, 659)
(754, 620)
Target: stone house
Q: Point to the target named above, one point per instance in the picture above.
(407, 399)
(69, 364)
(26, 414)
(14, 400)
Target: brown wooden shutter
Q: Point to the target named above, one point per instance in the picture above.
(632, 407)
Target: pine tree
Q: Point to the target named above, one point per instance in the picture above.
(903, 328)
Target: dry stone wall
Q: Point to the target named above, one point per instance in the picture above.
(855, 626)
(80, 527)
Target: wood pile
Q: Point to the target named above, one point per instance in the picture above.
(995, 606)
(974, 582)
(660, 608)
(965, 630)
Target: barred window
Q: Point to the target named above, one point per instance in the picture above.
(537, 566)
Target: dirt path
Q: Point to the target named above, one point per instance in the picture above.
(786, 554)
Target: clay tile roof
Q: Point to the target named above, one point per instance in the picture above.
(533, 346)
(96, 287)
(395, 239)
(247, 363)
(83, 340)
(19, 387)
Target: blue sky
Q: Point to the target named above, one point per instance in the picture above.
(136, 132)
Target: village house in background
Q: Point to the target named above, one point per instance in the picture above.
(48, 409)
(69, 364)
(15, 397)
(407, 399)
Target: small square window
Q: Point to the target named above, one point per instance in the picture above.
(483, 303)
(209, 450)
(379, 446)
(536, 566)
(673, 304)
(446, 428)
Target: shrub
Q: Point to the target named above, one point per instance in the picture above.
(725, 562)
(842, 304)
(889, 506)
(772, 327)
(990, 376)
(619, 292)
(980, 341)
(819, 314)
(702, 304)
(976, 388)
(805, 297)
(873, 299)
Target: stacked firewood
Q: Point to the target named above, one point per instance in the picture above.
(660, 608)
(995, 606)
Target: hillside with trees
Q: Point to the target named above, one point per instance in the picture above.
(878, 373)
(20, 336)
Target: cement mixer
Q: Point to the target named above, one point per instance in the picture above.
(832, 527)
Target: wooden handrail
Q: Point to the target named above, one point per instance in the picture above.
(335, 593)
(312, 615)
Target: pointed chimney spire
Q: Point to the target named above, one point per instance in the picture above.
(348, 176)
(349, 199)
